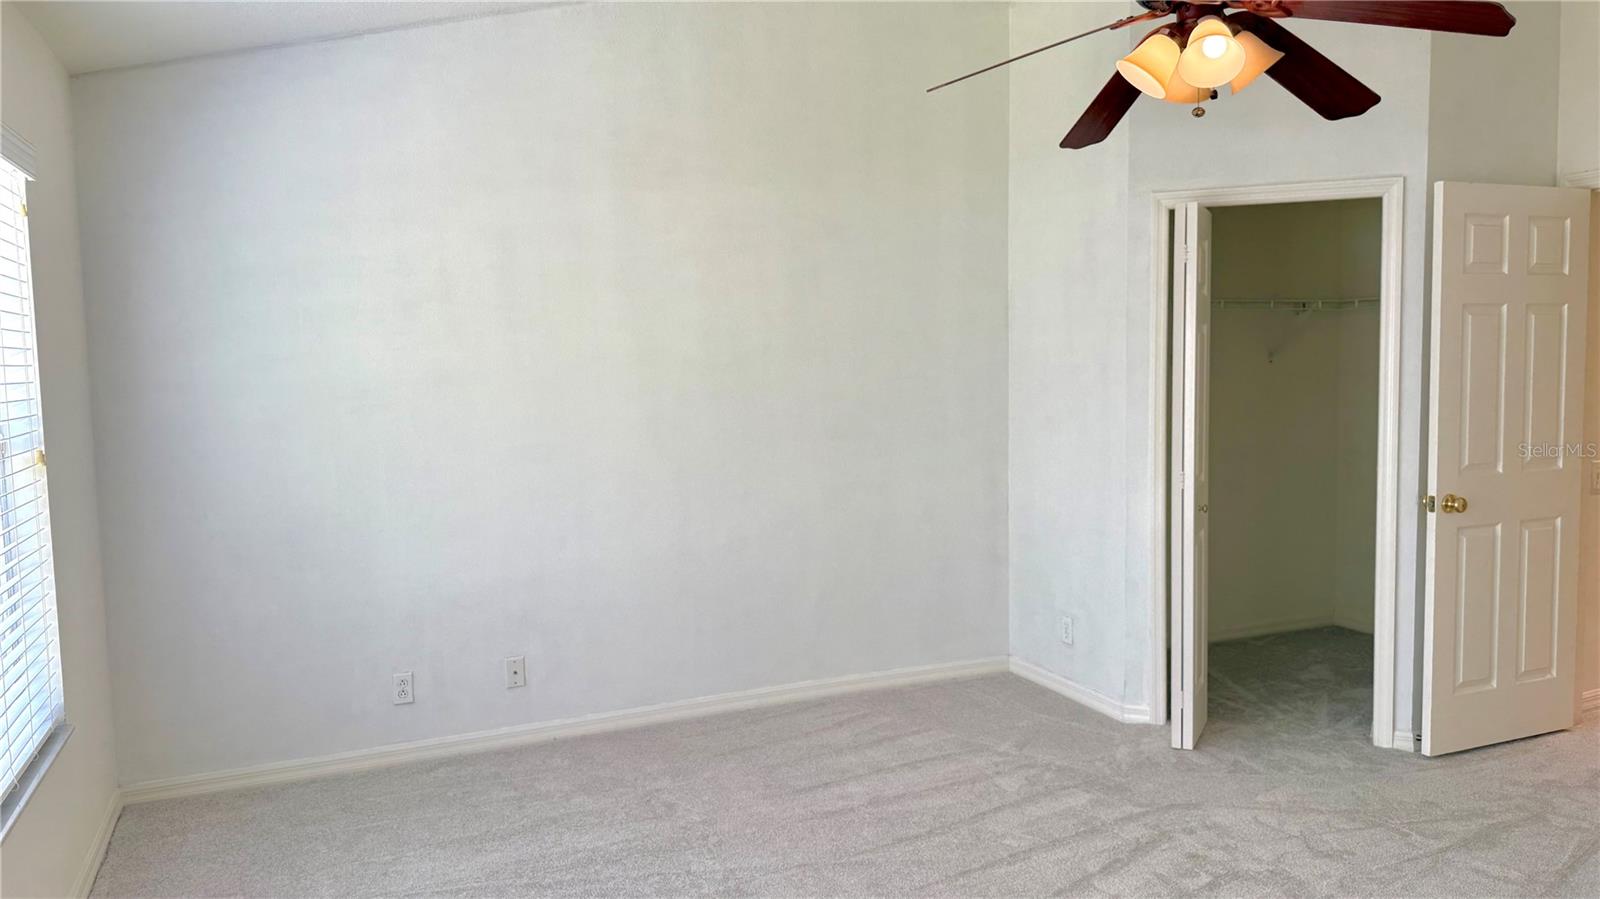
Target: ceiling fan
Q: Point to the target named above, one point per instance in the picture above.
(1207, 46)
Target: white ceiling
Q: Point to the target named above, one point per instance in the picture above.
(91, 36)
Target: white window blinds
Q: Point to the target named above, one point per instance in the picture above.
(30, 657)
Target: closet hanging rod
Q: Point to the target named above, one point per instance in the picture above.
(1297, 305)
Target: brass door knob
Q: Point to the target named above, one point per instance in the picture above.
(1453, 503)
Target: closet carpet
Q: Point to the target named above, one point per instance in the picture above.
(983, 787)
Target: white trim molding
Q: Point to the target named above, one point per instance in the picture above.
(1590, 699)
(1105, 705)
(1405, 741)
(520, 735)
(15, 149)
(1391, 190)
(1264, 628)
(1589, 179)
(97, 849)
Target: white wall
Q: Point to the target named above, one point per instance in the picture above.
(1578, 89)
(1069, 462)
(1354, 506)
(1294, 410)
(664, 344)
(48, 846)
(1492, 101)
(1274, 381)
(1578, 151)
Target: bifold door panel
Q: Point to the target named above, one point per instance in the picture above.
(1191, 489)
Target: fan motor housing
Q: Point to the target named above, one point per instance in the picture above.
(1185, 11)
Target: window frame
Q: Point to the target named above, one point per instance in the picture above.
(15, 796)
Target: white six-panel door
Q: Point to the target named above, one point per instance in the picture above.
(1191, 491)
(1506, 423)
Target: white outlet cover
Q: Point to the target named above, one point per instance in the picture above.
(1066, 629)
(516, 672)
(404, 688)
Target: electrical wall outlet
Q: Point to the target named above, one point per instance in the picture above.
(403, 692)
(1066, 629)
(516, 672)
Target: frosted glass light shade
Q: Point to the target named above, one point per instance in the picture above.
(1258, 57)
(1213, 57)
(1180, 91)
(1151, 64)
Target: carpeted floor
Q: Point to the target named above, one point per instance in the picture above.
(989, 786)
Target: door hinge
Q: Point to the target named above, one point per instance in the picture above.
(1428, 504)
(24, 209)
(1178, 480)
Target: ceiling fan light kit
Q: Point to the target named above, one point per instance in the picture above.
(1211, 56)
(1152, 64)
(1209, 46)
(1258, 57)
(1184, 93)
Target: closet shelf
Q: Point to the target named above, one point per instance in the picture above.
(1322, 305)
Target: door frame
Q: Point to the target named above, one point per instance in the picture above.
(1589, 178)
(1391, 190)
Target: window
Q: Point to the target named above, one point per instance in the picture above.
(30, 656)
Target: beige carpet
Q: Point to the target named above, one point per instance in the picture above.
(990, 786)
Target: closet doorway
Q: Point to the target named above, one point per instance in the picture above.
(1281, 463)
(1293, 436)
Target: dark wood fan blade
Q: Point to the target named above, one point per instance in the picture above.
(1315, 79)
(1460, 16)
(1102, 116)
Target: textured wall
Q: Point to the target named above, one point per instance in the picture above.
(1069, 322)
(1492, 104)
(1294, 411)
(46, 848)
(1578, 89)
(663, 344)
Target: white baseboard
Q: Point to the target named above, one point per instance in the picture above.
(97, 849)
(1591, 700)
(1105, 705)
(483, 741)
(1405, 741)
(1263, 628)
(1351, 624)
